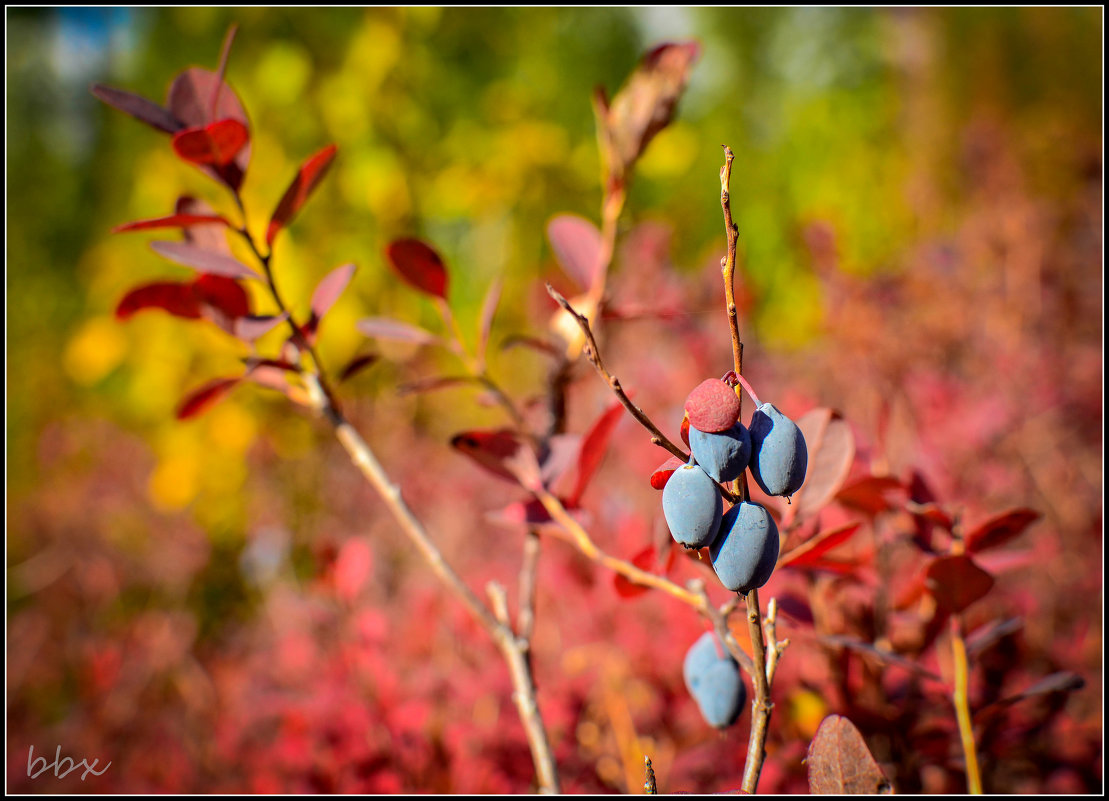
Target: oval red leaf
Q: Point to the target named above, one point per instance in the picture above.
(577, 246)
(493, 450)
(1000, 529)
(419, 266)
(831, 448)
(217, 143)
(204, 398)
(310, 174)
(138, 107)
(176, 298)
(840, 763)
(956, 581)
(644, 560)
(190, 100)
(172, 221)
(206, 261)
(386, 328)
(869, 494)
(810, 552)
(664, 471)
(222, 293)
(593, 448)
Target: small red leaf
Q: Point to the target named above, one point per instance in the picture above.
(176, 298)
(956, 581)
(138, 107)
(490, 449)
(309, 175)
(386, 328)
(811, 552)
(217, 143)
(625, 588)
(577, 246)
(593, 448)
(831, 447)
(1000, 529)
(418, 265)
(664, 471)
(172, 221)
(357, 365)
(205, 397)
(868, 494)
(222, 293)
(190, 100)
(206, 261)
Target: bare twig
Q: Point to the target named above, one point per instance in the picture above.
(525, 618)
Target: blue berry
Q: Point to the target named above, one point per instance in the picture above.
(724, 456)
(779, 457)
(712, 678)
(692, 506)
(745, 552)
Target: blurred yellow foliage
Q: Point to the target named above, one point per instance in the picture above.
(97, 348)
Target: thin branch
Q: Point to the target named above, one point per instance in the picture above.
(525, 618)
(962, 706)
(761, 705)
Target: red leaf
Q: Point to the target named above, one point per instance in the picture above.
(664, 471)
(190, 101)
(644, 560)
(957, 582)
(214, 144)
(206, 261)
(685, 429)
(868, 494)
(811, 552)
(1000, 529)
(205, 397)
(138, 107)
(327, 292)
(577, 246)
(418, 265)
(385, 328)
(172, 221)
(176, 298)
(593, 448)
(310, 174)
(353, 568)
(357, 365)
(209, 237)
(222, 293)
(490, 449)
(831, 448)
(839, 762)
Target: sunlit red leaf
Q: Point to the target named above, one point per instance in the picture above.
(217, 143)
(593, 448)
(870, 494)
(328, 291)
(418, 265)
(1000, 529)
(386, 328)
(173, 297)
(490, 449)
(139, 107)
(577, 246)
(644, 560)
(172, 221)
(956, 581)
(204, 398)
(206, 261)
(664, 471)
(839, 762)
(811, 552)
(310, 174)
(190, 100)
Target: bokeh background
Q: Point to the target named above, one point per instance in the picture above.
(919, 196)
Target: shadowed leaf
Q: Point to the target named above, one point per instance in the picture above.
(957, 582)
(839, 762)
(214, 144)
(311, 172)
(251, 328)
(204, 398)
(882, 655)
(209, 237)
(577, 246)
(419, 266)
(869, 494)
(138, 107)
(1000, 529)
(1063, 681)
(206, 261)
(644, 560)
(490, 449)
